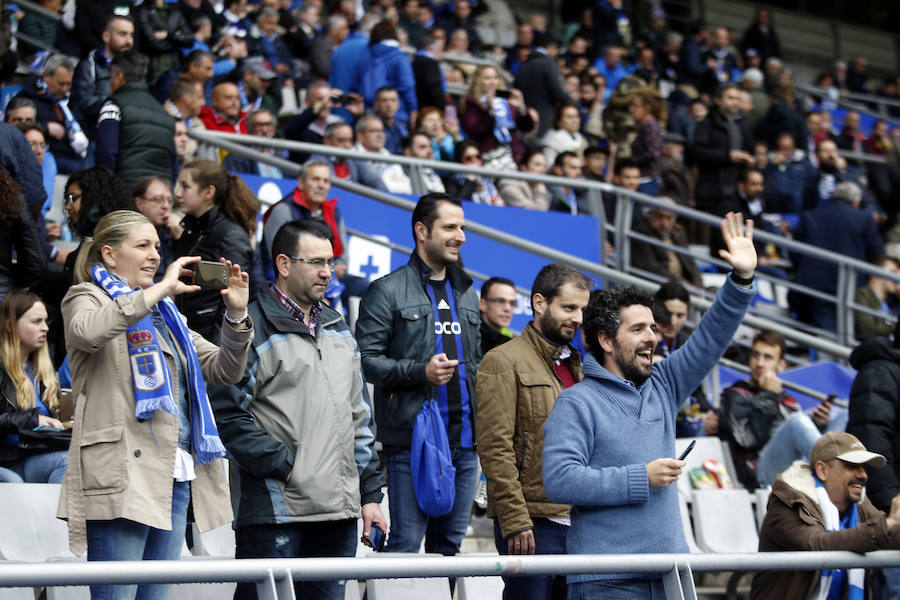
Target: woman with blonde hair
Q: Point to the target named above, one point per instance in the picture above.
(30, 391)
(144, 443)
(493, 118)
(220, 222)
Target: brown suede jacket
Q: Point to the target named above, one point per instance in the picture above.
(516, 388)
(794, 522)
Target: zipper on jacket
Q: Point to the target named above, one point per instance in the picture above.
(524, 449)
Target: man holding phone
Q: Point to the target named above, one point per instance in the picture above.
(298, 426)
(609, 442)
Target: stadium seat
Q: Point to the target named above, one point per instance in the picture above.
(762, 504)
(433, 588)
(479, 588)
(218, 542)
(31, 531)
(724, 521)
(707, 448)
(686, 524)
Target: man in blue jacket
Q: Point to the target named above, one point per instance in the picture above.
(609, 440)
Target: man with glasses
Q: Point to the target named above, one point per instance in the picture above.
(153, 199)
(516, 387)
(261, 123)
(497, 305)
(298, 426)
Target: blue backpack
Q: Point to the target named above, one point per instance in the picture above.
(433, 473)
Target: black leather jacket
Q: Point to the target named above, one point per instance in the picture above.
(22, 236)
(395, 332)
(149, 19)
(12, 418)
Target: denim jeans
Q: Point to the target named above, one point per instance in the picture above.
(444, 534)
(792, 440)
(298, 540)
(122, 539)
(618, 589)
(8, 476)
(549, 538)
(891, 588)
(43, 467)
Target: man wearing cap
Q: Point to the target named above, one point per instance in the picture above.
(256, 77)
(822, 506)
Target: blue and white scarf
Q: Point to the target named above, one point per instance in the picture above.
(503, 120)
(77, 139)
(150, 373)
(834, 577)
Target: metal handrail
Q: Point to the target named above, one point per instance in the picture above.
(37, 8)
(823, 93)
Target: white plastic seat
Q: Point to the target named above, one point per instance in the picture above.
(479, 588)
(432, 588)
(686, 524)
(31, 531)
(762, 503)
(724, 521)
(707, 447)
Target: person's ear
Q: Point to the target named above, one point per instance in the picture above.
(421, 231)
(283, 266)
(821, 469)
(538, 304)
(605, 342)
(108, 255)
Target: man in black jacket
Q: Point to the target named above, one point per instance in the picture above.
(541, 84)
(419, 339)
(497, 304)
(427, 72)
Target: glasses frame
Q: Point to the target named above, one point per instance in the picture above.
(331, 263)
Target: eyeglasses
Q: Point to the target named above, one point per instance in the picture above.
(70, 198)
(159, 200)
(38, 145)
(503, 302)
(316, 262)
(263, 124)
(471, 157)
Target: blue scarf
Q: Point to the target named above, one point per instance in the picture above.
(831, 582)
(503, 120)
(150, 373)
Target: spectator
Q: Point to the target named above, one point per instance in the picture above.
(857, 77)
(851, 138)
(675, 178)
(408, 364)
(236, 19)
(611, 68)
(752, 83)
(134, 133)
(385, 64)
(541, 84)
(518, 52)
(817, 133)
(162, 34)
(609, 22)
(823, 505)
(762, 422)
(39, 27)
(309, 126)
(102, 314)
(721, 59)
(749, 202)
(37, 139)
(562, 197)
(90, 84)
(879, 142)
(270, 46)
(458, 48)
(50, 93)
(833, 170)
(387, 103)
(840, 226)
(875, 295)
(320, 453)
(226, 113)
(20, 239)
(153, 199)
(786, 174)
(418, 145)
(181, 139)
(185, 102)
(255, 83)
(591, 107)
(460, 17)
(517, 385)
(370, 138)
(409, 21)
(527, 194)
(596, 164)
(197, 66)
(260, 123)
(660, 224)
(565, 135)
(614, 469)
(340, 135)
(780, 118)
(220, 215)
(427, 73)
(30, 390)
(722, 144)
(647, 110)
(497, 304)
(91, 19)
(303, 36)
(493, 122)
(761, 36)
(627, 175)
(335, 32)
(692, 68)
(469, 186)
(443, 142)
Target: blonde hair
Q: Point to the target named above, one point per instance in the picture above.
(475, 89)
(13, 306)
(110, 231)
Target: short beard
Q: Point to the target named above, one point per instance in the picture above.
(551, 330)
(630, 371)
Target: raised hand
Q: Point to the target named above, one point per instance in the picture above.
(237, 295)
(740, 253)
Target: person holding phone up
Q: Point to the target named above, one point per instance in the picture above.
(609, 442)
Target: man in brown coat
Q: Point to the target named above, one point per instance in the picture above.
(798, 519)
(516, 386)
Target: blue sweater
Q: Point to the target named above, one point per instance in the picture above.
(603, 431)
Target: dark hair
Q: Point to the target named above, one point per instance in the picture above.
(194, 57)
(745, 174)
(672, 290)
(181, 87)
(383, 30)
(132, 64)
(29, 126)
(527, 156)
(486, 287)
(332, 127)
(384, 88)
(595, 150)
(239, 203)
(621, 165)
(140, 188)
(18, 102)
(426, 209)
(406, 143)
(559, 112)
(460, 149)
(288, 237)
(560, 159)
(896, 337)
(107, 25)
(102, 192)
(10, 198)
(720, 90)
(661, 314)
(772, 338)
(604, 314)
(552, 277)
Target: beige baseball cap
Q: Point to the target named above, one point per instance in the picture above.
(847, 447)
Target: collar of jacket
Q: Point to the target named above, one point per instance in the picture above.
(281, 320)
(546, 350)
(133, 86)
(459, 280)
(796, 486)
(202, 222)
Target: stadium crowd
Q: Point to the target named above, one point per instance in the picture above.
(697, 115)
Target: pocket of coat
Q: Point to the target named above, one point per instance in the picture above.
(103, 468)
(538, 393)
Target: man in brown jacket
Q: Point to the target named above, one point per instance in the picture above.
(798, 519)
(516, 386)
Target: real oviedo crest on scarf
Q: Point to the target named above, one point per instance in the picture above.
(145, 360)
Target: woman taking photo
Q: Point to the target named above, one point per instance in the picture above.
(494, 122)
(145, 443)
(220, 218)
(30, 392)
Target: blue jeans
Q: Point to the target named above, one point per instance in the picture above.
(891, 589)
(618, 589)
(792, 440)
(7, 476)
(549, 538)
(444, 534)
(122, 539)
(297, 540)
(44, 467)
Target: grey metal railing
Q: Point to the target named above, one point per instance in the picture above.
(625, 199)
(848, 100)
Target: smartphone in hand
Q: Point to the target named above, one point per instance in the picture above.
(375, 539)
